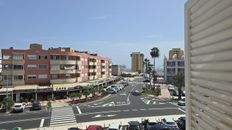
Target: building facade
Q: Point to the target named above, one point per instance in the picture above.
(173, 65)
(208, 38)
(137, 64)
(176, 53)
(117, 70)
(52, 66)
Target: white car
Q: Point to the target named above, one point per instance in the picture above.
(115, 126)
(18, 107)
(169, 122)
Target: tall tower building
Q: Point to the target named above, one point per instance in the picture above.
(137, 62)
(176, 53)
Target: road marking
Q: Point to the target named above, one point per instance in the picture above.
(126, 110)
(154, 102)
(166, 108)
(79, 110)
(41, 123)
(148, 102)
(134, 110)
(143, 109)
(98, 112)
(128, 97)
(16, 121)
(181, 110)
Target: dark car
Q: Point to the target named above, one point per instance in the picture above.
(94, 127)
(159, 126)
(36, 106)
(134, 125)
(181, 123)
(74, 128)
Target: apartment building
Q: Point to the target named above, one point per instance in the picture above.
(52, 66)
(208, 33)
(174, 64)
(117, 70)
(137, 62)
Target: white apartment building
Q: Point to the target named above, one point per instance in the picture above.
(172, 66)
(208, 72)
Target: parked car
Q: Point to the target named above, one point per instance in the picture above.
(111, 91)
(115, 126)
(36, 106)
(120, 86)
(181, 123)
(115, 87)
(94, 127)
(159, 126)
(169, 122)
(74, 128)
(18, 107)
(125, 84)
(17, 128)
(134, 125)
(181, 102)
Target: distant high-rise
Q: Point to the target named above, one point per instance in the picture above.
(137, 62)
(176, 53)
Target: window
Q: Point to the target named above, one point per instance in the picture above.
(18, 67)
(54, 57)
(43, 67)
(32, 66)
(30, 77)
(43, 76)
(32, 57)
(18, 56)
(43, 57)
(54, 76)
(5, 57)
(55, 67)
(18, 77)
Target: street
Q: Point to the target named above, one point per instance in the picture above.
(124, 104)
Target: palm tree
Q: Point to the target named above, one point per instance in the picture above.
(146, 62)
(178, 81)
(154, 54)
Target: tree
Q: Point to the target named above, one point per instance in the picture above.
(178, 81)
(154, 54)
(92, 91)
(146, 62)
(7, 102)
(79, 95)
(86, 93)
(72, 96)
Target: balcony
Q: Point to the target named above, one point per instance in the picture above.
(65, 71)
(67, 80)
(92, 70)
(15, 82)
(103, 70)
(19, 62)
(103, 64)
(13, 72)
(63, 62)
(92, 63)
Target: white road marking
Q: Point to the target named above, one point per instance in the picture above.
(79, 110)
(134, 110)
(128, 97)
(126, 110)
(154, 102)
(162, 103)
(181, 110)
(148, 102)
(143, 109)
(98, 112)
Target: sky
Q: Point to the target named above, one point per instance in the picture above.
(112, 28)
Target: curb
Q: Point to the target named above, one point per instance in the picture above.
(86, 103)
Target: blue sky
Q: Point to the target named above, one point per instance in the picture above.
(112, 28)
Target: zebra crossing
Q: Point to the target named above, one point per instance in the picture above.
(148, 101)
(62, 115)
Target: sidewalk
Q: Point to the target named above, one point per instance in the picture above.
(105, 123)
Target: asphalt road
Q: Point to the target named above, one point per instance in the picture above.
(124, 104)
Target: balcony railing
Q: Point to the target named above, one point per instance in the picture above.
(67, 80)
(63, 62)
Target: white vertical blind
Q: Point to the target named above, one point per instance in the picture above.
(209, 64)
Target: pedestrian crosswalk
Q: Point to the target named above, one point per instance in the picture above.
(151, 101)
(62, 115)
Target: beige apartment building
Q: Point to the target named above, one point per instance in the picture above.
(208, 31)
(176, 53)
(137, 62)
